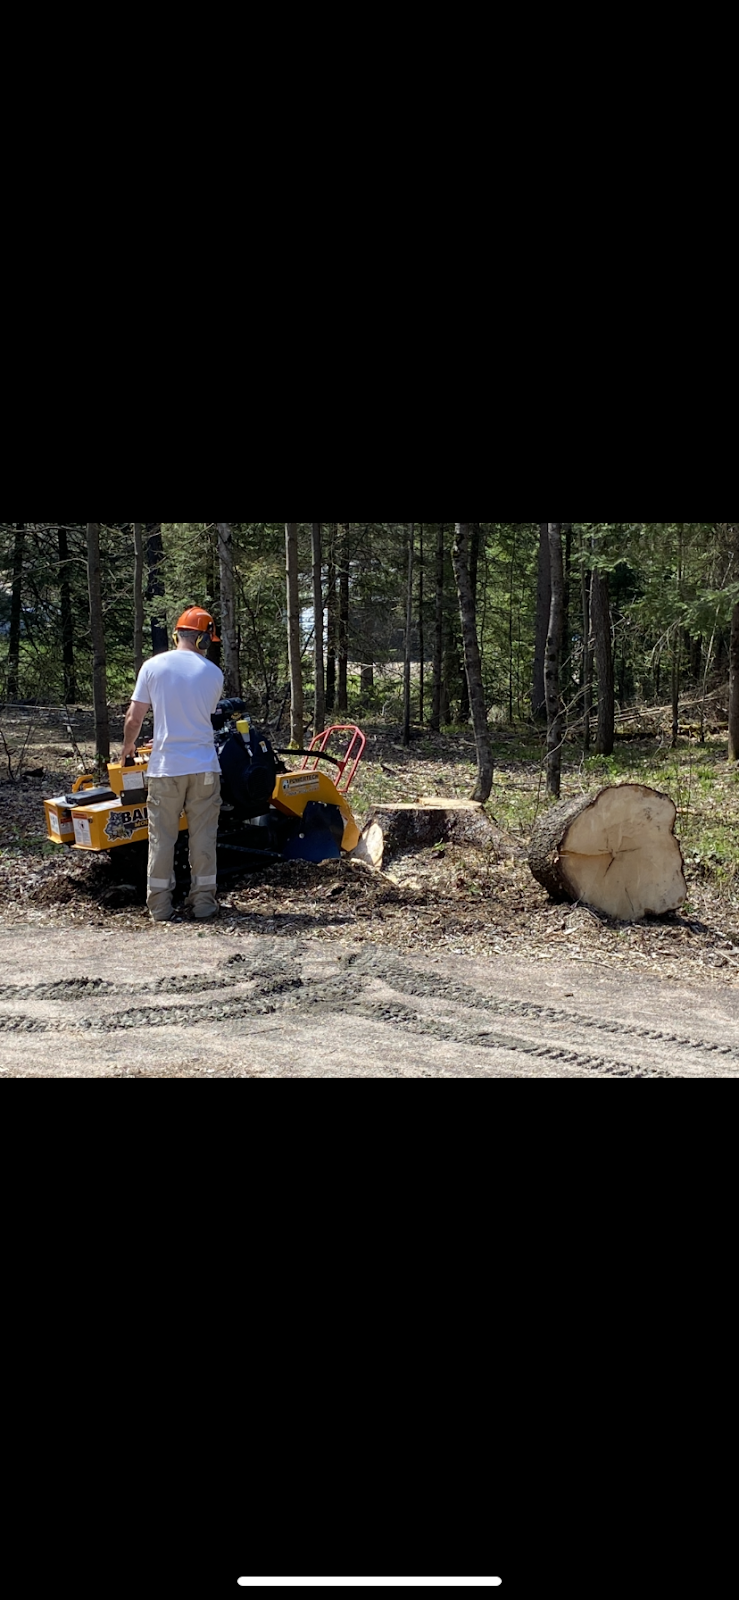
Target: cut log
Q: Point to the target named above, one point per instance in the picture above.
(389, 830)
(615, 851)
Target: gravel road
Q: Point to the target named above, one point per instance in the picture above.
(178, 1002)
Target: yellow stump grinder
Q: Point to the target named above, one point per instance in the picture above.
(269, 813)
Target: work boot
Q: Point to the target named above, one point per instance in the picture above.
(206, 913)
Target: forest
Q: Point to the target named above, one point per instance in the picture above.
(573, 633)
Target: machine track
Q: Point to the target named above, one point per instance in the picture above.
(283, 1008)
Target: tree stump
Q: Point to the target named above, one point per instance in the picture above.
(615, 851)
(391, 829)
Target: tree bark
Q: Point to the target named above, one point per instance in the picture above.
(734, 687)
(16, 610)
(587, 659)
(99, 659)
(393, 829)
(464, 703)
(600, 606)
(438, 630)
(421, 634)
(319, 714)
(543, 609)
(65, 599)
(473, 662)
(408, 639)
(231, 671)
(343, 699)
(293, 634)
(553, 655)
(138, 596)
(615, 851)
(333, 622)
(155, 587)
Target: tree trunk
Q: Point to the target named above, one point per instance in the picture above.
(464, 703)
(295, 655)
(333, 622)
(734, 687)
(97, 630)
(343, 705)
(231, 671)
(473, 662)
(565, 671)
(601, 617)
(65, 599)
(155, 588)
(587, 660)
(138, 596)
(555, 709)
(438, 630)
(408, 639)
(615, 851)
(543, 609)
(421, 635)
(319, 715)
(393, 829)
(676, 669)
(16, 609)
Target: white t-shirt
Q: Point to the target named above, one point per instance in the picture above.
(183, 690)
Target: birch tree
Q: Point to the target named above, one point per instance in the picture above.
(408, 639)
(293, 627)
(16, 610)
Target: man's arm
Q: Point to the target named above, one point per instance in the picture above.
(132, 728)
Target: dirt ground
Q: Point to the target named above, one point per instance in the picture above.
(453, 908)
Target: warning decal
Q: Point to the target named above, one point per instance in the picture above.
(300, 785)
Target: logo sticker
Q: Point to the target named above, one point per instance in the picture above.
(301, 785)
(124, 824)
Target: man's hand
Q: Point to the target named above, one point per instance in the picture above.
(133, 725)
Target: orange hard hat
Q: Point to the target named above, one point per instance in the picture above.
(197, 620)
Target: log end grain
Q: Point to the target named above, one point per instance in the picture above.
(615, 851)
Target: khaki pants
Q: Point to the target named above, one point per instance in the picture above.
(200, 797)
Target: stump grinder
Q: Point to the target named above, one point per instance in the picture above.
(269, 813)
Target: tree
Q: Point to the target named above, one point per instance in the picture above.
(473, 661)
(293, 630)
(587, 656)
(439, 628)
(99, 657)
(734, 687)
(600, 606)
(475, 536)
(231, 671)
(67, 616)
(343, 704)
(408, 639)
(319, 715)
(333, 620)
(552, 661)
(138, 596)
(16, 607)
(543, 614)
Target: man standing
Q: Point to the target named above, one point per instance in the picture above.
(183, 688)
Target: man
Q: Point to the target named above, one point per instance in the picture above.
(183, 688)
